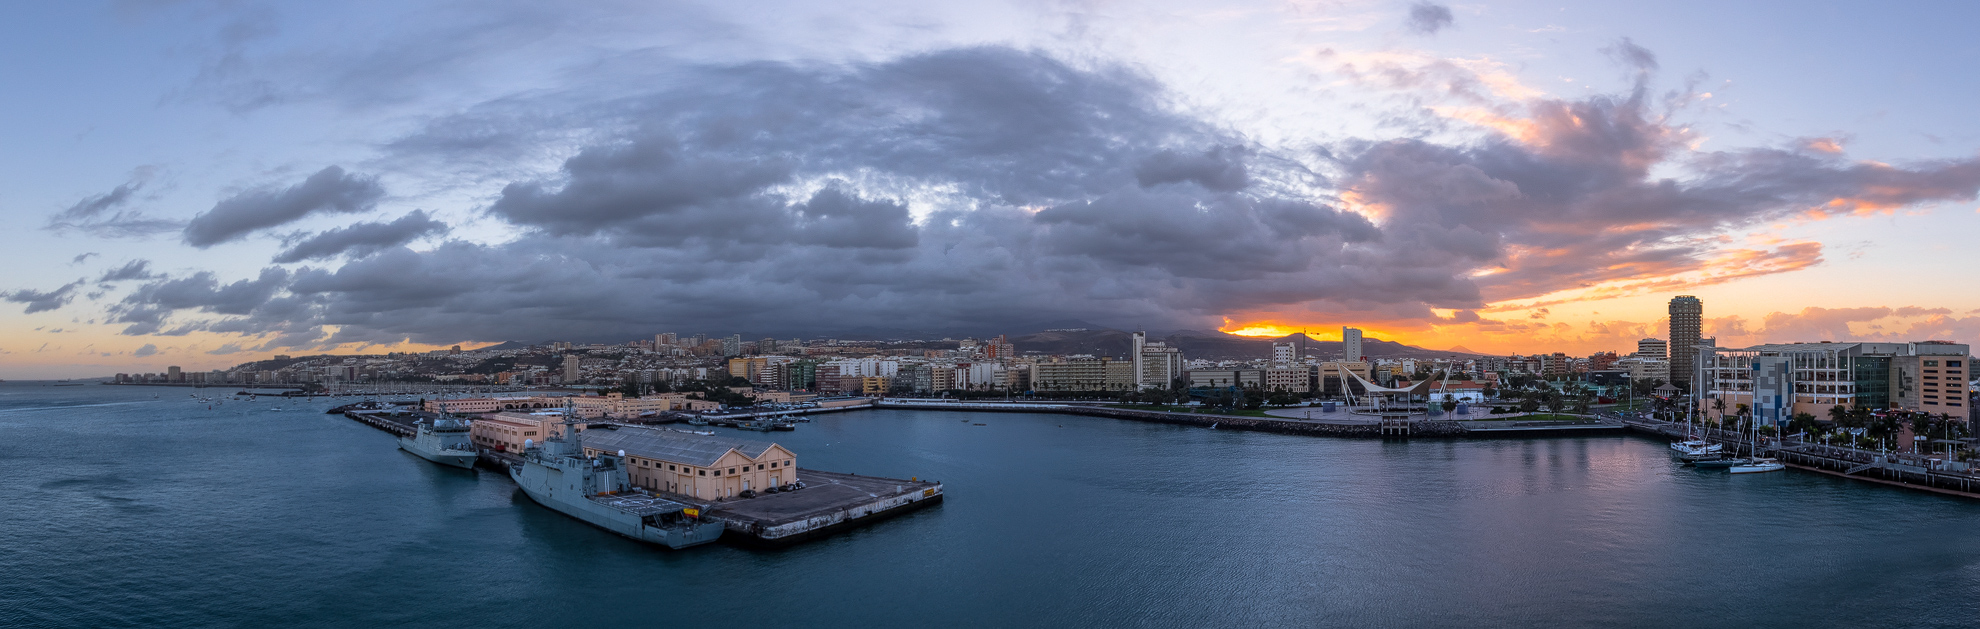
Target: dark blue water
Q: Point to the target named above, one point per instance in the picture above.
(120, 510)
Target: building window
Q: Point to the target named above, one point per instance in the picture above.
(719, 472)
(702, 472)
(773, 464)
(759, 466)
(670, 468)
(732, 470)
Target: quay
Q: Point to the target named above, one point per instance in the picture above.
(836, 405)
(829, 502)
(1921, 472)
(400, 425)
(1336, 424)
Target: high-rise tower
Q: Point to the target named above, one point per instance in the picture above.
(1350, 345)
(1687, 314)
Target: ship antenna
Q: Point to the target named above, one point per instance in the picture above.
(570, 429)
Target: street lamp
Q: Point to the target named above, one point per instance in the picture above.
(1631, 388)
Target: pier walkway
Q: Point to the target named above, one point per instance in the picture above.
(1926, 472)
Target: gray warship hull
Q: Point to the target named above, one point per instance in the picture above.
(456, 458)
(634, 514)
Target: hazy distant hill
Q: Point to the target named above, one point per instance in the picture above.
(1209, 345)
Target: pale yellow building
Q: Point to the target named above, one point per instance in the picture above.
(702, 466)
(507, 431)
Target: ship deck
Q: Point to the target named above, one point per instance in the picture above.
(639, 504)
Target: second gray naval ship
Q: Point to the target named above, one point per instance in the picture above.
(443, 440)
(557, 474)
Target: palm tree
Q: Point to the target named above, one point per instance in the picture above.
(1838, 414)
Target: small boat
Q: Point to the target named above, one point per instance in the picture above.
(1716, 464)
(1696, 446)
(1755, 466)
(1213, 425)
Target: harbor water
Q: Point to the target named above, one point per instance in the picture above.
(138, 506)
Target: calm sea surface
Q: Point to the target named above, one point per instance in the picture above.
(121, 509)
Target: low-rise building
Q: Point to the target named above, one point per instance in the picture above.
(1083, 374)
(507, 432)
(1776, 381)
(703, 466)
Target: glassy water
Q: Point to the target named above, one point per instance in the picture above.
(121, 509)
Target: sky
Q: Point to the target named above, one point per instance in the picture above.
(203, 183)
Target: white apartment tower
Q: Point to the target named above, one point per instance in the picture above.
(1284, 354)
(1350, 345)
(1156, 365)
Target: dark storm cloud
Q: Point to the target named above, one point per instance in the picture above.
(149, 307)
(329, 190)
(647, 181)
(363, 238)
(42, 301)
(1426, 18)
(108, 215)
(1217, 169)
(988, 189)
(134, 270)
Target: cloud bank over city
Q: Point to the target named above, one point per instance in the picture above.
(984, 188)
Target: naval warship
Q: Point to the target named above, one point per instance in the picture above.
(444, 441)
(597, 489)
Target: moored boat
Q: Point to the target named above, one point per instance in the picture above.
(1715, 463)
(599, 491)
(445, 441)
(1755, 466)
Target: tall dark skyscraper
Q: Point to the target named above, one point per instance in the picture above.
(1687, 313)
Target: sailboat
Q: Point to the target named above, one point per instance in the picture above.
(1756, 464)
(1694, 448)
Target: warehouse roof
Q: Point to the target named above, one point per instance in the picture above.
(668, 445)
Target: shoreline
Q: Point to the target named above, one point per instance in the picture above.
(1425, 428)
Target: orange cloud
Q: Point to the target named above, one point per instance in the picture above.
(1825, 145)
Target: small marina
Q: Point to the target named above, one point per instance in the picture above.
(1925, 472)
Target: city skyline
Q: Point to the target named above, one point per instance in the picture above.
(204, 185)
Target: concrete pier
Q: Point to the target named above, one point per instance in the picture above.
(397, 425)
(830, 502)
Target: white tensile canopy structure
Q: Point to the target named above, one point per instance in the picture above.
(1379, 395)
